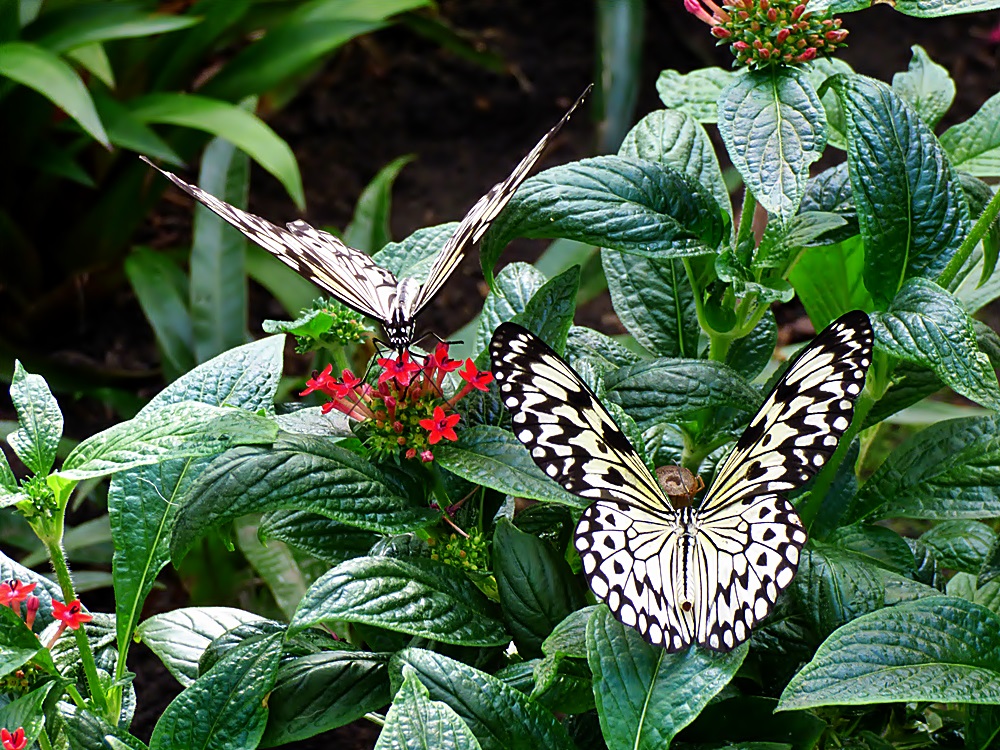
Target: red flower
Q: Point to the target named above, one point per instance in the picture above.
(16, 741)
(401, 370)
(350, 382)
(439, 360)
(426, 457)
(440, 425)
(33, 604)
(13, 592)
(71, 614)
(478, 380)
(320, 382)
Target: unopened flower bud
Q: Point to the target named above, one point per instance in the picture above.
(772, 15)
(782, 36)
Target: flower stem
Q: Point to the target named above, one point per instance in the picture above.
(979, 230)
(61, 568)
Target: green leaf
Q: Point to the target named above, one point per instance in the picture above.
(672, 390)
(318, 692)
(415, 722)
(751, 354)
(629, 205)
(979, 194)
(655, 302)
(911, 210)
(127, 132)
(920, 8)
(298, 472)
(878, 545)
(500, 716)
(218, 289)
(26, 712)
(227, 707)
(142, 501)
(286, 50)
(52, 77)
(774, 127)
(696, 93)
(228, 121)
(834, 586)
(94, 59)
(830, 191)
(415, 596)
(415, 255)
(316, 535)
(536, 586)
(782, 242)
(183, 430)
(563, 685)
(991, 565)
(675, 139)
(926, 86)
(275, 564)
(513, 287)
(645, 696)
(162, 290)
(549, 312)
(180, 637)
(569, 637)
(18, 645)
(494, 458)
(938, 649)
(946, 471)
(828, 281)
(964, 585)
(39, 422)
(369, 227)
(753, 720)
(974, 145)
(960, 545)
(74, 26)
(925, 325)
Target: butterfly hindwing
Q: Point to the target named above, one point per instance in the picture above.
(708, 574)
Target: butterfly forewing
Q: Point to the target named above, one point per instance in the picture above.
(480, 216)
(705, 575)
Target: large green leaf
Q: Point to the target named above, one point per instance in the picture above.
(672, 390)
(494, 458)
(316, 535)
(974, 145)
(500, 716)
(536, 586)
(549, 312)
(227, 706)
(52, 77)
(142, 501)
(927, 326)
(833, 586)
(918, 8)
(696, 93)
(318, 692)
(415, 722)
(961, 545)
(645, 696)
(938, 649)
(774, 127)
(946, 471)
(926, 86)
(39, 422)
(513, 287)
(79, 24)
(630, 205)
(416, 596)
(228, 121)
(911, 209)
(369, 227)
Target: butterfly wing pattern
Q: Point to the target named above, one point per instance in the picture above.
(351, 275)
(703, 575)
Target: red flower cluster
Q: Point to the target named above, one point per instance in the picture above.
(13, 592)
(407, 411)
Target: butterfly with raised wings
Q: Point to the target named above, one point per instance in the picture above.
(705, 574)
(351, 275)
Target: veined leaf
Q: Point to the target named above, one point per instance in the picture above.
(926, 86)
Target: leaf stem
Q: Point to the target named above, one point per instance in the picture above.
(375, 718)
(979, 230)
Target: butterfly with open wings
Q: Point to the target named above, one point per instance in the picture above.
(704, 574)
(351, 275)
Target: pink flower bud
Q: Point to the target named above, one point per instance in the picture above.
(772, 15)
(808, 55)
(799, 10)
(426, 457)
(741, 46)
(720, 33)
(783, 36)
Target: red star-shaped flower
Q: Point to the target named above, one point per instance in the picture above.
(71, 614)
(480, 380)
(320, 382)
(439, 360)
(16, 741)
(401, 370)
(13, 592)
(440, 425)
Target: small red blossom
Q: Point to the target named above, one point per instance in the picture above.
(321, 382)
(440, 425)
(32, 607)
(426, 457)
(15, 741)
(439, 360)
(478, 379)
(71, 615)
(401, 370)
(13, 592)
(411, 453)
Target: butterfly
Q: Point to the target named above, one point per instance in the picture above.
(704, 574)
(351, 275)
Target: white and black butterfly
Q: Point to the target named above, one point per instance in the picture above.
(351, 275)
(702, 575)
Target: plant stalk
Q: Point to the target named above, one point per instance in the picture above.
(979, 230)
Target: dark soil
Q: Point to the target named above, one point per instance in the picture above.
(395, 93)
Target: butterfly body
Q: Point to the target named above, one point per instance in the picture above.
(704, 574)
(351, 275)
